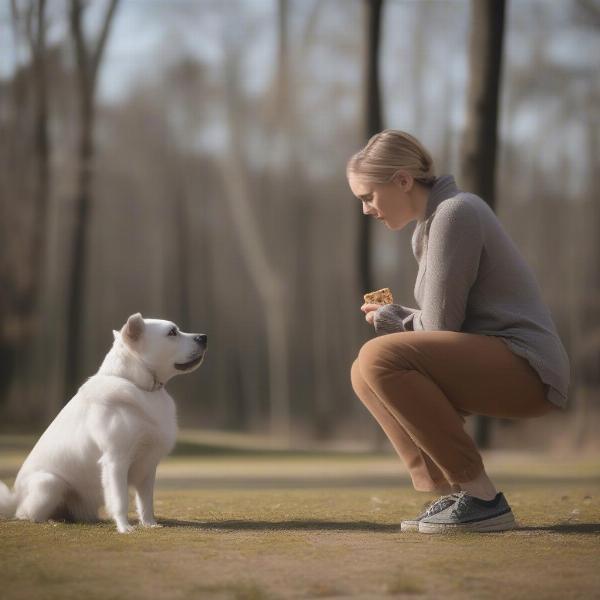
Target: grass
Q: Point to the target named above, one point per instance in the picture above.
(253, 527)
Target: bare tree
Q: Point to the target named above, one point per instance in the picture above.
(88, 59)
(36, 34)
(268, 281)
(372, 124)
(21, 298)
(480, 139)
(479, 147)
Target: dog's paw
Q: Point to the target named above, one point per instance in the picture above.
(126, 528)
(151, 524)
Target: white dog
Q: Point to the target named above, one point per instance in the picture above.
(111, 434)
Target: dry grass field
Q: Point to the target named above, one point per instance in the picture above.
(253, 525)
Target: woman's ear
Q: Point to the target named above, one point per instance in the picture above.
(404, 180)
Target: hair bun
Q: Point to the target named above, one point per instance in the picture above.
(389, 151)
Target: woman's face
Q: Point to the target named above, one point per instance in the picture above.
(393, 203)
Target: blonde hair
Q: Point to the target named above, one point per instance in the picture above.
(388, 152)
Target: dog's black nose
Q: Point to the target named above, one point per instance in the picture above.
(201, 339)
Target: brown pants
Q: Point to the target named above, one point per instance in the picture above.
(419, 385)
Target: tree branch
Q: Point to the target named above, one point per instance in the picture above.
(101, 43)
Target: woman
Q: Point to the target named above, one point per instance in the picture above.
(482, 341)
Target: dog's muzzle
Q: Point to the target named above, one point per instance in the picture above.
(190, 364)
(202, 341)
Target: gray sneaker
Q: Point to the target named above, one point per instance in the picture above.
(434, 507)
(468, 513)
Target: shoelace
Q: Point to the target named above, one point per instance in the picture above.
(461, 504)
(435, 503)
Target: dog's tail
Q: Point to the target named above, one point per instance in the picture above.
(8, 502)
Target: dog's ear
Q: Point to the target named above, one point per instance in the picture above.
(134, 327)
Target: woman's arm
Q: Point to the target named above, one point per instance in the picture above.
(453, 254)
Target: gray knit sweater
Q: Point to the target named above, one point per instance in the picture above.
(472, 278)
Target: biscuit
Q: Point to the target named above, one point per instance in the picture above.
(382, 296)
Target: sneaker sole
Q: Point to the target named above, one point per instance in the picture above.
(500, 523)
(409, 526)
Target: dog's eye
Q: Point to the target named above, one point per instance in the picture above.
(172, 331)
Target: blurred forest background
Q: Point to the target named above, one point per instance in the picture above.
(186, 159)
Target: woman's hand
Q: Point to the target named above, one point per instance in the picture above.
(369, 310)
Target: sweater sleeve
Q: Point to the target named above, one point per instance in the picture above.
(392, 318)
(454, 250)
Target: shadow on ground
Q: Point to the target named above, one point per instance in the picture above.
(316, 525)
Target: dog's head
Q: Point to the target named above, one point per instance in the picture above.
(162, 347)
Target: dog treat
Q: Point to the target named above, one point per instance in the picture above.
(382, 296)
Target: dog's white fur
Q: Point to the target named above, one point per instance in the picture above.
(111, 434)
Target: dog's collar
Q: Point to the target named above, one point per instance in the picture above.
(156, 383)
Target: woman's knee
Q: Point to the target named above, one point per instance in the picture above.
(354, 372)
(379, 355)
(359, 385)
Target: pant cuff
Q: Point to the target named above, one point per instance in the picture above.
(428, 485)
(466, 475)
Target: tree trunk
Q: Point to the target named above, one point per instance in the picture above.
(479, 149)
(24, 305)
(182, 254)
(42, 153)
(373, 124)
(268, 281)
(480, 140)
(88, 62)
